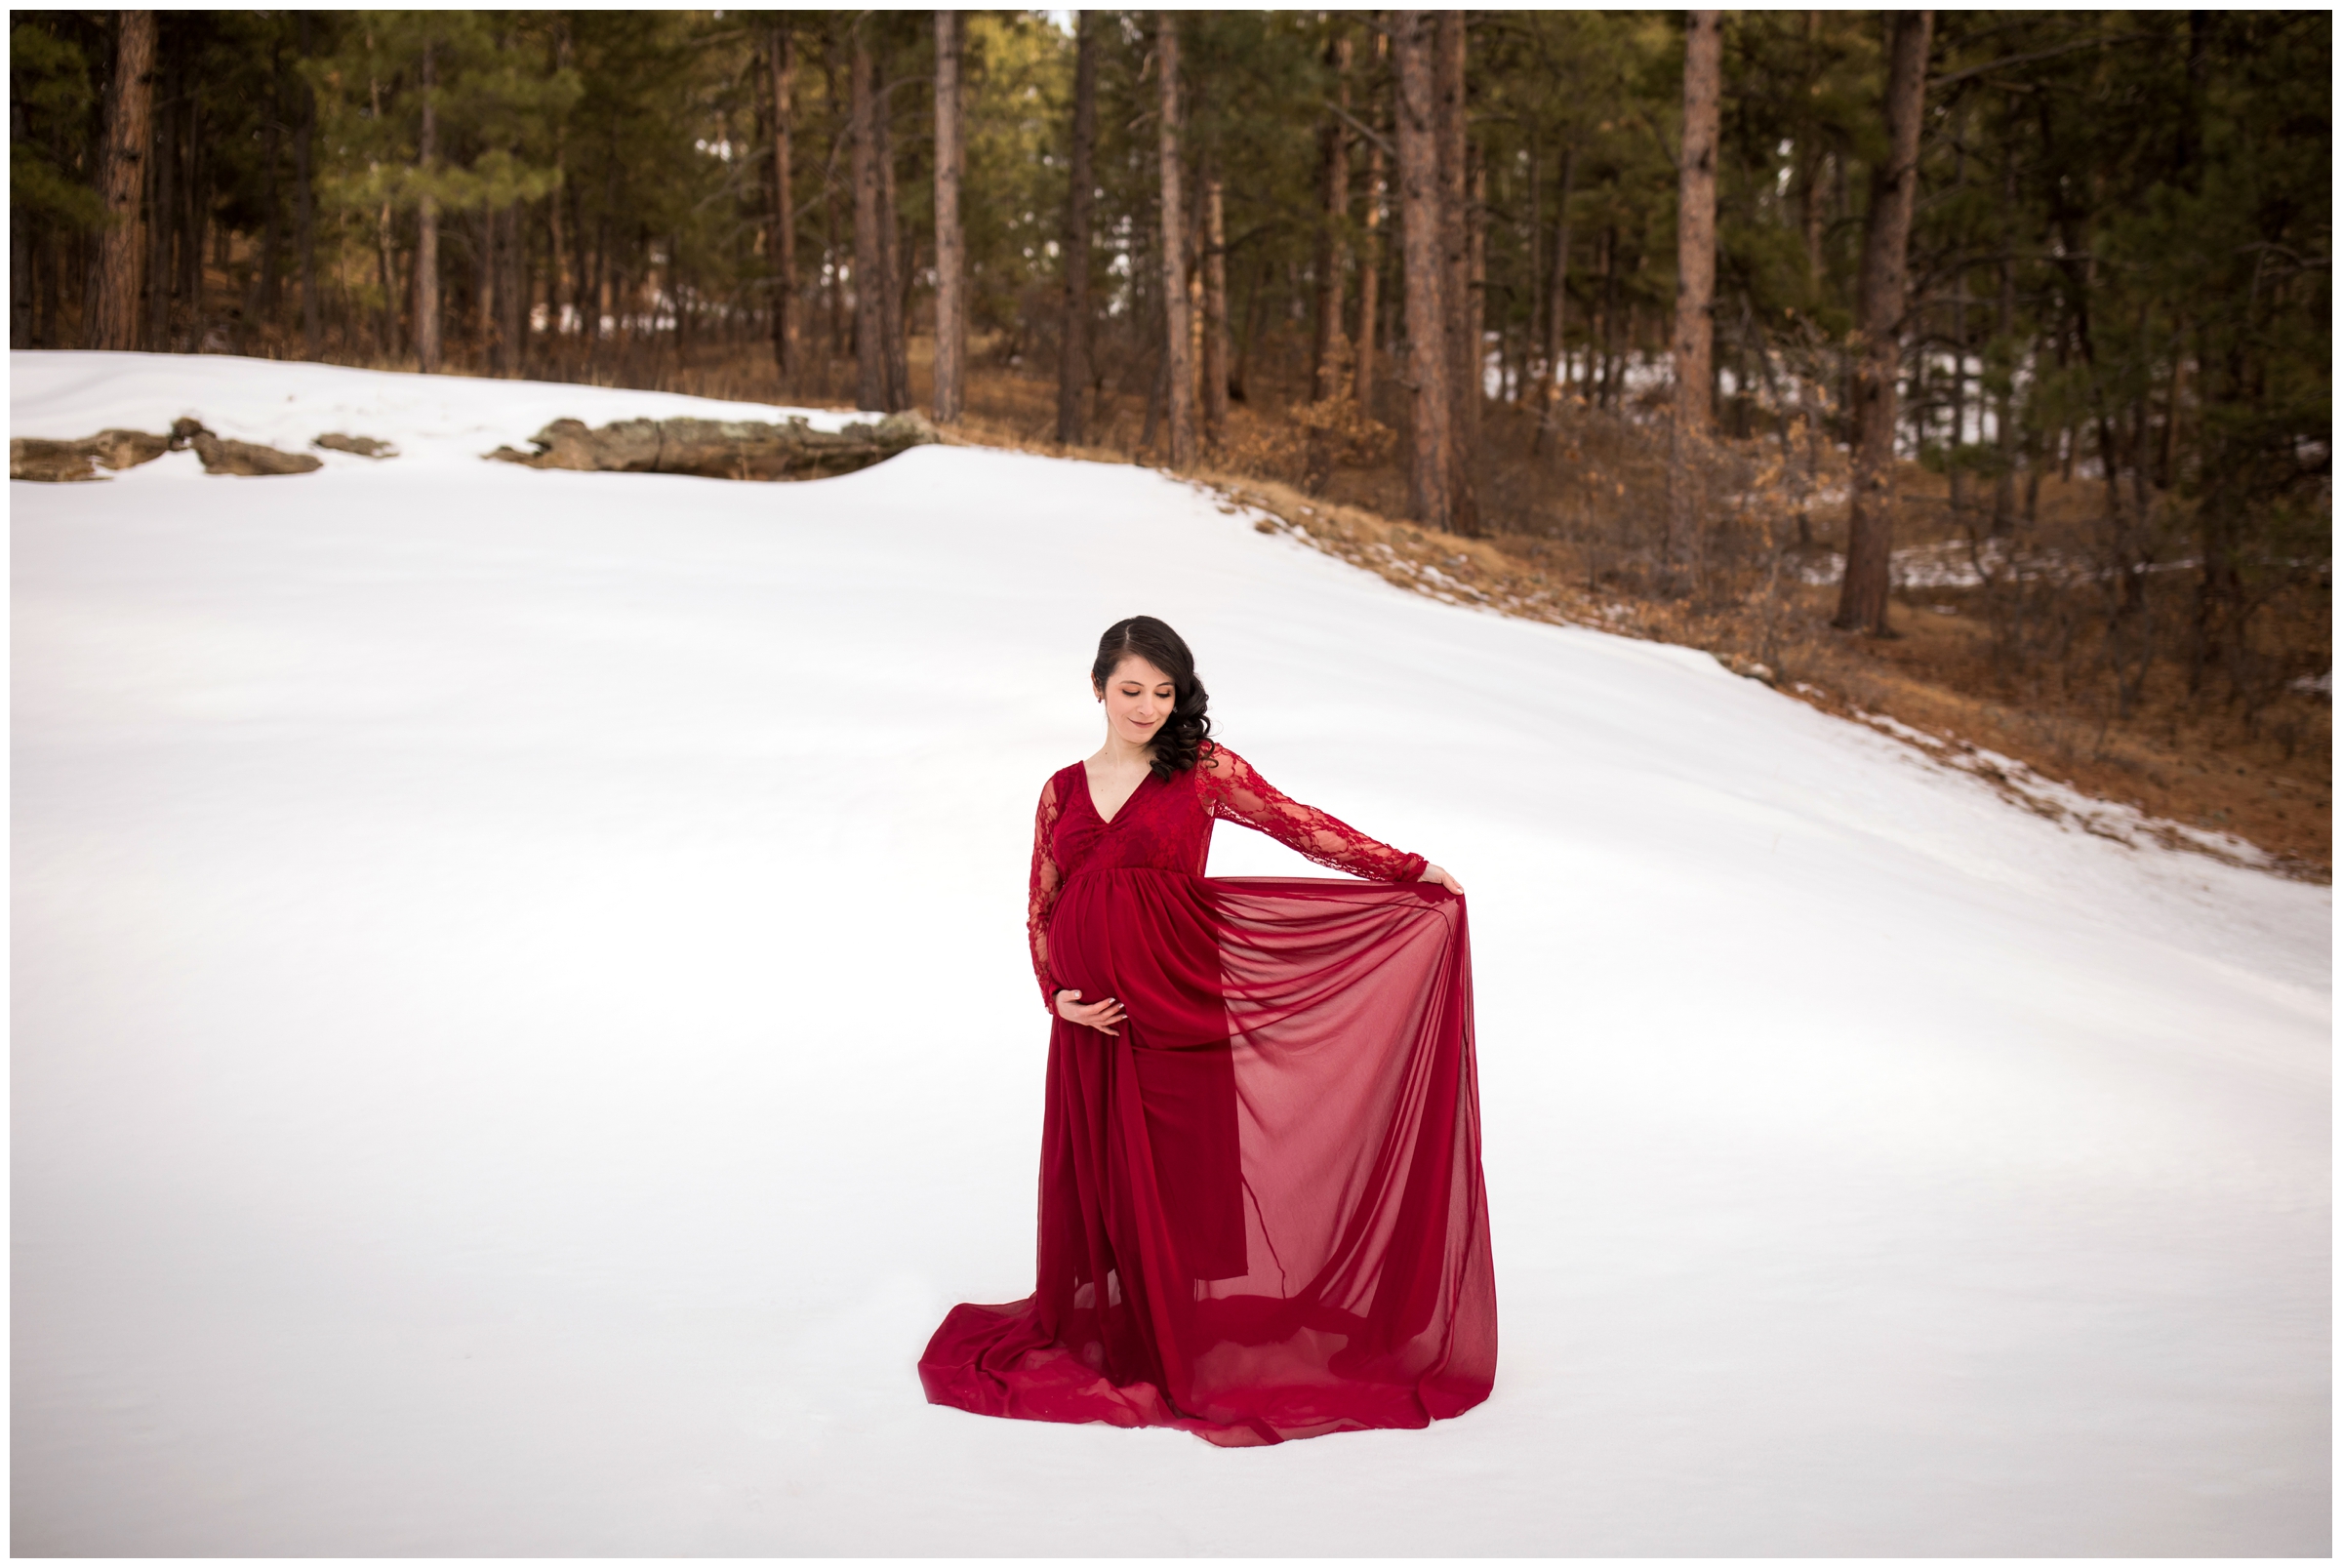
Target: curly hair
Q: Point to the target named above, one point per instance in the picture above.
(1185, 734)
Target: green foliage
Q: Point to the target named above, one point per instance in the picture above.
(1018, 100)
(496, 101)
(2122, 240)
(51, 101)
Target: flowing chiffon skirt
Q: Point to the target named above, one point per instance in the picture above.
(1261, 1214)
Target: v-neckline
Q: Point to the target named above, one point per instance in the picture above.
(1090, 789)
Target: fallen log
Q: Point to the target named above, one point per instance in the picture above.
(64, 463)
(244, 458)
(720, 449)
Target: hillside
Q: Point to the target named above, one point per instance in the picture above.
(521, 1029)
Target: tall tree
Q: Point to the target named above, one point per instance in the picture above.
(1421, 200)
(426, 220)
(2000, 373)
(1333, 216)
(1695, 285)
(895, 266)
(1450, 51)
(951, 256)
(873, 286)
(114, 317)
(163, 217)
(1178, 358)
(1861, 600)
(304, 214)
(1556, 309)
(1370, 278)
(1074, 360)
(1214, 266)
(261, 305)
(1328, 349)
(781, 58)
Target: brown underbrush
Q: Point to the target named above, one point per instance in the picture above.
(2014, 659)
(2007, 660)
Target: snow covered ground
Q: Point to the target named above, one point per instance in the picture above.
(521, 1029)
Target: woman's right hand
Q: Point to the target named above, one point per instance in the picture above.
(1099, 1015)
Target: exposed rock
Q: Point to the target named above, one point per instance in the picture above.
(365, 446)
(68, 462)
(720, 449)
(50, 463)
(127, 449)
(245, 458)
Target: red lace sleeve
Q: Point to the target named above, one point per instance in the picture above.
(1233, 790)
(1043, 893)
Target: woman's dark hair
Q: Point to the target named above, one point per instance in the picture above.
(1182, 734)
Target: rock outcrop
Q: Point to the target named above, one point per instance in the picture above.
(713, 449)
(245, 458)
(60, 463)
(720, 449)
(69, 462)
(364, 446)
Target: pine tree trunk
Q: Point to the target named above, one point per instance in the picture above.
(2005, 327)
(1370, 279)
(1328, 345)
(512, 289)
(896, 269)
(193, 208)
(1556, 311)
(21, 280)
(784, 236)
(113, 318)
(162, 209)
(557, 290)
(1421, 222)
(1074, 355)
(305, 200)
(600, 302)
(1449, 48)
(951, 285)
(271, 237)
(426, 227)
(1333, 203)
(1813, 163)
(492, 353)
(870, 286)
(49, 294)
(1178, 363)
(1215, 373)
(1954, 470)
(1693, 412)
(562, 263)
(387, 276)
(1475, 239)
(1862, 601)
(841, 131)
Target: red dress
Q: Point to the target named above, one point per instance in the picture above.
(1262, 1213)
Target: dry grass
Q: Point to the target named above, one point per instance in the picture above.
(1571, 517)
(1570, 544)
(1571, 522)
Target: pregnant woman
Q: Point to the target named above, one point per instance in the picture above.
(1262, 1213)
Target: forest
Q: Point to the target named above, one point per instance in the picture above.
(1967, 368)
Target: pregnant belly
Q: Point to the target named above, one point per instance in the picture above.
(1148, 938)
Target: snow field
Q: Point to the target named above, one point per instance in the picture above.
(523, 1029)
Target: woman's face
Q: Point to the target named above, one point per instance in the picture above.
(1137, 698)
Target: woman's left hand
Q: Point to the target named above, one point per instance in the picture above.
(1434, 874)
